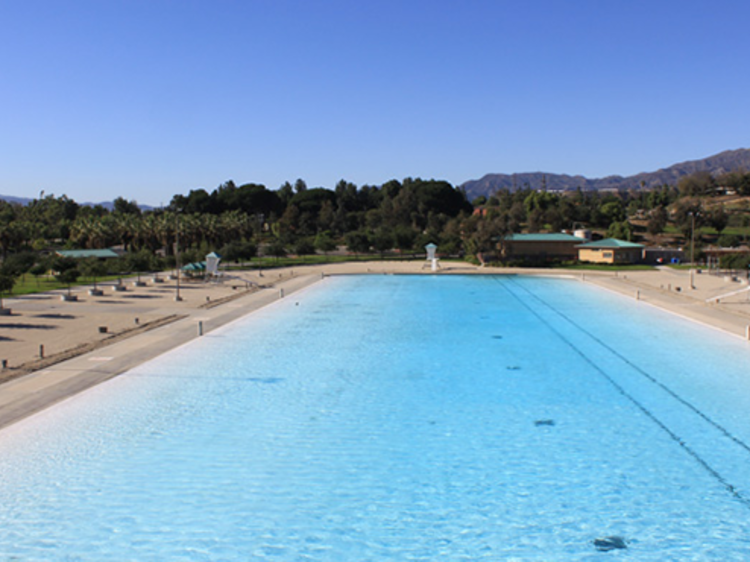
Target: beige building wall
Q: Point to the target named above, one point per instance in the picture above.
(609, 255)
(596, 255)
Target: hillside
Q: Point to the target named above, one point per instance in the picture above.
(723, 162)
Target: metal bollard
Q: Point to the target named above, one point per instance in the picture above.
(41, 352)
(281, 293)
(200, 327)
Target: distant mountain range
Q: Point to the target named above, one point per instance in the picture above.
(727, 161)
(109, 205)
(723, 162)
(18, 200)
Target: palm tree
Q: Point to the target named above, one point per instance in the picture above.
(124, 228)
(188, 229)
(234, 225)
(209, 229)
(164, 228)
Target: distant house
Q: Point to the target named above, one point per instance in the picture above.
(610, 250)
(83, 254)
(541, 247)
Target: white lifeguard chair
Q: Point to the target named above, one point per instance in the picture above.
(212, 264)
(431, 259)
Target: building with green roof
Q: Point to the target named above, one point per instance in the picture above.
(610, 250)
(82, 254)
(555, 246)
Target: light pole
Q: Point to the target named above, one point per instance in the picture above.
(177, 255)
(692, 237)
(261, 218)
(692, 245)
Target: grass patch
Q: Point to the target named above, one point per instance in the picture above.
(28, 284)
(604, 267)
(709, 231)
(743, 231)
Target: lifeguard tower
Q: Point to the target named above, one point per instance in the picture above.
(212, 264)
(431, 259)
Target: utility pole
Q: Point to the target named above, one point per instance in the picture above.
(177, 255)
(692, 246)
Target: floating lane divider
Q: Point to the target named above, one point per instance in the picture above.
(676, 438)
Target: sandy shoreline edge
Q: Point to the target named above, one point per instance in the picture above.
(145, 322)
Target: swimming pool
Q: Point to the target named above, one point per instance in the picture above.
(401, 418)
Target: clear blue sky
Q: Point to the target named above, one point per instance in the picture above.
(149, 98)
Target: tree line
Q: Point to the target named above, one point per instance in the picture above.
(241, 221)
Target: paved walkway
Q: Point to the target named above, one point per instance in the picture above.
(22, 396)
(671, 290)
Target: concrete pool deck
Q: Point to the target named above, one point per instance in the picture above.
(145, 322)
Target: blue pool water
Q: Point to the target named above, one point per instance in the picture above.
(401, 418)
